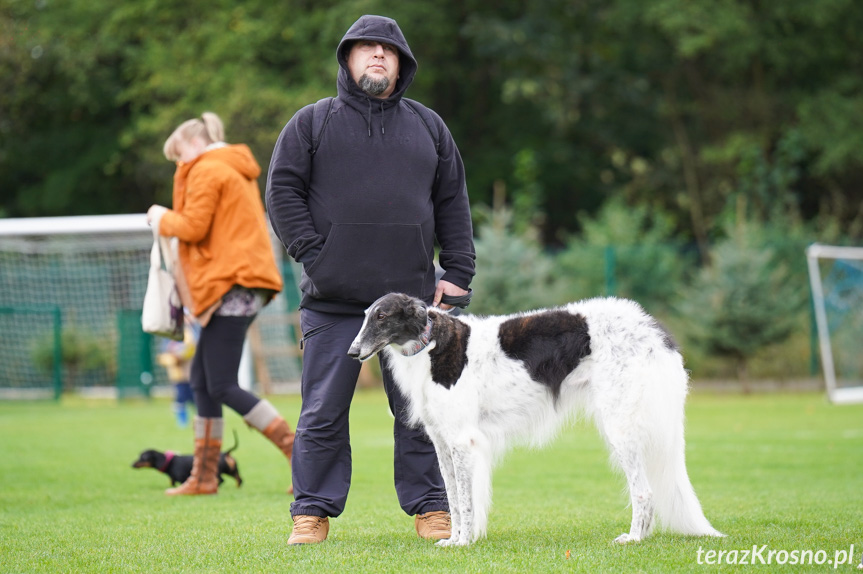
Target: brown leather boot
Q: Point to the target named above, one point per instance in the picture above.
(205, 466)
(266, 419)
(281, 435)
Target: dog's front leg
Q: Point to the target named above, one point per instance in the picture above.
(447, 469)
(463, 465)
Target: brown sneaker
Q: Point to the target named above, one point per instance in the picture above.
(309, 529)
(433, 525)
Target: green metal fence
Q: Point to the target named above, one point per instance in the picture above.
(135, 368)
(31, 350)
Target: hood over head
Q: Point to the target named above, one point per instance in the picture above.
(378, 29)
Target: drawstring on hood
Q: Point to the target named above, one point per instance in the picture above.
(369, 120)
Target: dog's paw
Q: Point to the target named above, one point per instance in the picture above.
(626, 538)
(453, 542)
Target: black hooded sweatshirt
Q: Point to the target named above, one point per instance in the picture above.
(362, 213)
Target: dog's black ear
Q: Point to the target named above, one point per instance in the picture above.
(415, 308)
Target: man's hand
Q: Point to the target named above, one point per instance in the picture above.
(445, 287)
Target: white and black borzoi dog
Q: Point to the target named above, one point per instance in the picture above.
(476, 384)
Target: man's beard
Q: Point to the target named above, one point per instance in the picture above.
(372, 86)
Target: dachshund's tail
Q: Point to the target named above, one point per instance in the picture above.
(236, 443)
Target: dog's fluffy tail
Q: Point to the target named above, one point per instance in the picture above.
(677, 506)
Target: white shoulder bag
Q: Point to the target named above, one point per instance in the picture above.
(162, 314)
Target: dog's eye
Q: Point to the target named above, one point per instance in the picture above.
(381, 316)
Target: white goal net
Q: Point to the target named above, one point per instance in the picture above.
(836, 278)
(71, 291)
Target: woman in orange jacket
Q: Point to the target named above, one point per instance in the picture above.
(228, 273)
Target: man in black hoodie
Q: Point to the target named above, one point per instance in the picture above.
(360, 205)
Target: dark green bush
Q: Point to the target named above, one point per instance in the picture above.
(82, 353)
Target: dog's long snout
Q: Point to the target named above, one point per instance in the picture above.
(354, 351)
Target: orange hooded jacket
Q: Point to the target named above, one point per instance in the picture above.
(219, 219)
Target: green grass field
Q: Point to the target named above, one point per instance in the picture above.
(785, 471)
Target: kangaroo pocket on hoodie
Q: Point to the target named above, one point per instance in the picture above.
(363, 261)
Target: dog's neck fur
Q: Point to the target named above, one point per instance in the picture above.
(425, 338)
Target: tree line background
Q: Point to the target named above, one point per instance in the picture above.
(680, 134)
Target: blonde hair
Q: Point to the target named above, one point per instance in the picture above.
(208, 127)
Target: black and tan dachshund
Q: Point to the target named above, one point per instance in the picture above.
(179, 467)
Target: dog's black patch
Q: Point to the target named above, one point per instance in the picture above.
(449, 357)
(550, 344)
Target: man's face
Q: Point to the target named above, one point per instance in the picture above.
(374, 67)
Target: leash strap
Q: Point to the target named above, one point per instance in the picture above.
(460, 301)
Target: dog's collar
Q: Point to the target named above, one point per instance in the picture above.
(169, 456)
(417, 346)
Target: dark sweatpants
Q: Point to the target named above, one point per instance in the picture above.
(322, 452)
(213, 374)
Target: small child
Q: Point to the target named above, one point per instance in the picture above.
(176, 357)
